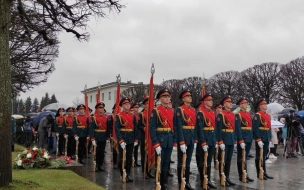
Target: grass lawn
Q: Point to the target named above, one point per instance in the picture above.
(47, 179)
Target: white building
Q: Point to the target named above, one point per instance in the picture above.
(107, 93)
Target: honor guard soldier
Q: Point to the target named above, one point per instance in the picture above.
(185, 118)
(81, 131)
(135, 108)
(142, 129)
(59, 130)
(243, 123)
(205, 126)
(218, 109)
(126, 132)
(226, 136)
(262, 135)
(161, 132)
(67, 126)
(110, 123)
(100, 134)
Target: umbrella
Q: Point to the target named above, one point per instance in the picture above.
(274, 108)
(40, 116)
(17, 116)
(287, 110)
(276, 124)
(301, 113)
(54, 107)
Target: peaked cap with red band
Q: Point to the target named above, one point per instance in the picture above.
(225, 99)
(185, 93)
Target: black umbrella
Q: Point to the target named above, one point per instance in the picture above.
(40, 116)
(287, 110)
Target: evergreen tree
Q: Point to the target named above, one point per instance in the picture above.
(35, 106)
(15, 105)
(21, 107)
(47, 99)
(42, 103)
(28, 105)
(53, 99)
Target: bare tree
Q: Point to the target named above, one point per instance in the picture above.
(260, 81)
(137, 93)
(31, 56)
(57, 16)
(291, 80)
(194, 84)
(77, 101)
(222, 84)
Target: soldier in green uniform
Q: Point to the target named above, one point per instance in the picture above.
(67, 128)
(205, 126)
(161, 132)
(100, 134)
(184, 127)
(226, 136)
(81, 131)
(127, 137)
(243, 123)
(262, 135)
(60, 130)
(135, 108)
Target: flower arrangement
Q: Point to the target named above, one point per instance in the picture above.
(33, 158)
(60, 162)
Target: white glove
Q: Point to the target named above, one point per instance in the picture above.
(135, 143)
(65, 136)
(260, 143)
(108, 141)
(88, 138)
(243, 145)
(158, 150)
(183, 148)
(174, 147)
(205, 148)
(94, 143)
(76, 138)
(195, 145)
(57, 134)
(216, 145)
(222, 146)
(123, 145)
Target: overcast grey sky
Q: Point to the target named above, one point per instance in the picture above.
(182, 38)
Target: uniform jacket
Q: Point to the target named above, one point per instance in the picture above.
(67, 125)
(58, 125)
(162, 117)
(81, 126)
(99, 129)
(126, 128)
(184, 118)
(206, 119)
(243, 119)
(261, 121)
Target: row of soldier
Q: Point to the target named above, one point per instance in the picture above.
(211, 134)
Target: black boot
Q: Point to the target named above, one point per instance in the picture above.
(265, 174)
(220, 169)
(187, 174)
(120, 168)
(100, 167)
(210, 184)
(227, 172)
(258, 169)
(97, 168)
(164, 180)
(128, 171)
(150, 175)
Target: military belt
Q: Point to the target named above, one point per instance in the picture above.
(127, 130)
(60, 126)
(264, 128)
(80, 127)
(208, 128)
(188, 127)
(163, 129)
(68, 127)
(227, 130)
(246, 128)
(100, 130)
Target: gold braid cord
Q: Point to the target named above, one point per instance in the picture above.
(184, 117)
(241, 119)
(121, 123)
(161, 122)
(143, 119)
(261, 119)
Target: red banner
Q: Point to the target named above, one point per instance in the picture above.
(116, 111)
(150, 150)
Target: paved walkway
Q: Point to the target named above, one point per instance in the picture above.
(287, 175)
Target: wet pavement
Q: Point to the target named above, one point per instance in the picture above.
(287, 175)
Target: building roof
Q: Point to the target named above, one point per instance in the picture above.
(123, 84)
